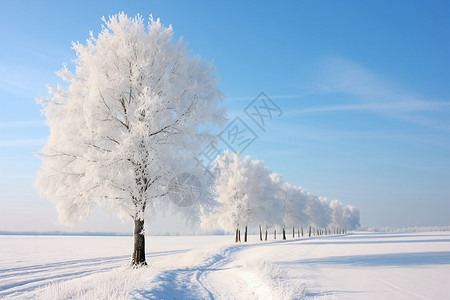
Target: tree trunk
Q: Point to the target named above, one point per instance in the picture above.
(274, 234)
(138, 258)
(309, 231)
(266, 235)
(302, 230)
(237, 233)
(260, 232)
(293, 232)
(284, 233)
(245, 234)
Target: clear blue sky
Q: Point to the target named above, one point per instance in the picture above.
(364, 87)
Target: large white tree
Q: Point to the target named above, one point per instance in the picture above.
(126, 124)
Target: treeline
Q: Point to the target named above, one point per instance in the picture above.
(247, 194)
(299, 233)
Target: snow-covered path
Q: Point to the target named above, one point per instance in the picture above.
(354, 266)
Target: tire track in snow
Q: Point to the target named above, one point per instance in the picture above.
(190, 282)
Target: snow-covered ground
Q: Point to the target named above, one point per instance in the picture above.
(353, 266)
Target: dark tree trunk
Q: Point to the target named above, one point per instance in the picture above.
(302, 230)
(266, 235)
(260, 232)
(138, 258)
(237, 235)
(245, 234)
(284, 233)
(309, 231)
(293, 232)
(274, 234)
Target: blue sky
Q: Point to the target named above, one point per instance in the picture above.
(364, 88)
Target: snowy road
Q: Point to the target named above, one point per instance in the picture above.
(354, 266)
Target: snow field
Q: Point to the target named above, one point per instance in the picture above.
(353, 266)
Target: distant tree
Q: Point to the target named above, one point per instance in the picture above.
(295, 201)
(318, 211)
(344, 217)
(247, 193)
(127, 123)
(351, 215)
(337, 214)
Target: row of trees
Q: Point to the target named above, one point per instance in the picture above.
(249, 194)
(300, 232)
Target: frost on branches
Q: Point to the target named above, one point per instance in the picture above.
(127, 124)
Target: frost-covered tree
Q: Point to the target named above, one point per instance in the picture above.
(337, 214)
(318, 210)
(246, 193)
(352, 216)
(127, 122)
(344, 217)
(295, 202)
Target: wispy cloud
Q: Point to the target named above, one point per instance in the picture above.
(23, 81)
(368, 91)
(415, 106)
(22, 142)
(16, 124)
(250, 98)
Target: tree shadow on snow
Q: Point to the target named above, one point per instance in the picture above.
(355, 242)
(378, 260)
(390, 235)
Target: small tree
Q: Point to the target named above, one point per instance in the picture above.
(127, 124)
